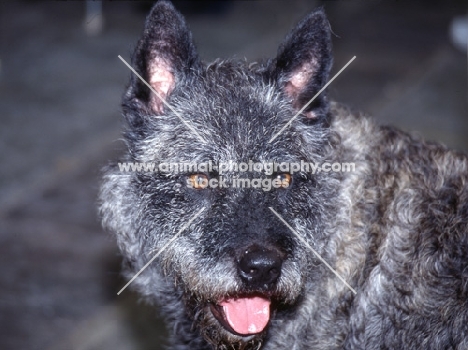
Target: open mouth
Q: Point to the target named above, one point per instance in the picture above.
(243, 316)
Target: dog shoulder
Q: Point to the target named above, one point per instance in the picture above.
(417, 234)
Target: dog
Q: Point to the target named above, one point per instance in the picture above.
(298, 255)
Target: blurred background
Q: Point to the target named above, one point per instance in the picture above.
(60, 89)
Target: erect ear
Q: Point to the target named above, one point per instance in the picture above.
(163, 56)
(303, 63)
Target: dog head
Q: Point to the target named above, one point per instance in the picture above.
(234, 267)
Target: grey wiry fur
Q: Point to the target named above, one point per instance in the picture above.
(396, 228)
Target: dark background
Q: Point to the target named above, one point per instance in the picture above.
(60, 88)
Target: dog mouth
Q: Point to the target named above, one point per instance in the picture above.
(243, 316)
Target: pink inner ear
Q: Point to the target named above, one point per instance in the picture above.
(297, 83)
(299, 79)
(161, 80)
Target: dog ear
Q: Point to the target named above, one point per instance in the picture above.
(163, 56)
(303, 63)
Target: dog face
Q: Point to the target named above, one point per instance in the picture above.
(236, 268)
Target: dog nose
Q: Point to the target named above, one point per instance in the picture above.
(259, 267)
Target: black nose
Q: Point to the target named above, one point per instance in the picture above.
(260, 267)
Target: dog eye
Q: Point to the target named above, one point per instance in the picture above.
(285, 179)
(198, 181)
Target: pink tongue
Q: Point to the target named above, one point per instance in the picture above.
(247, 315)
